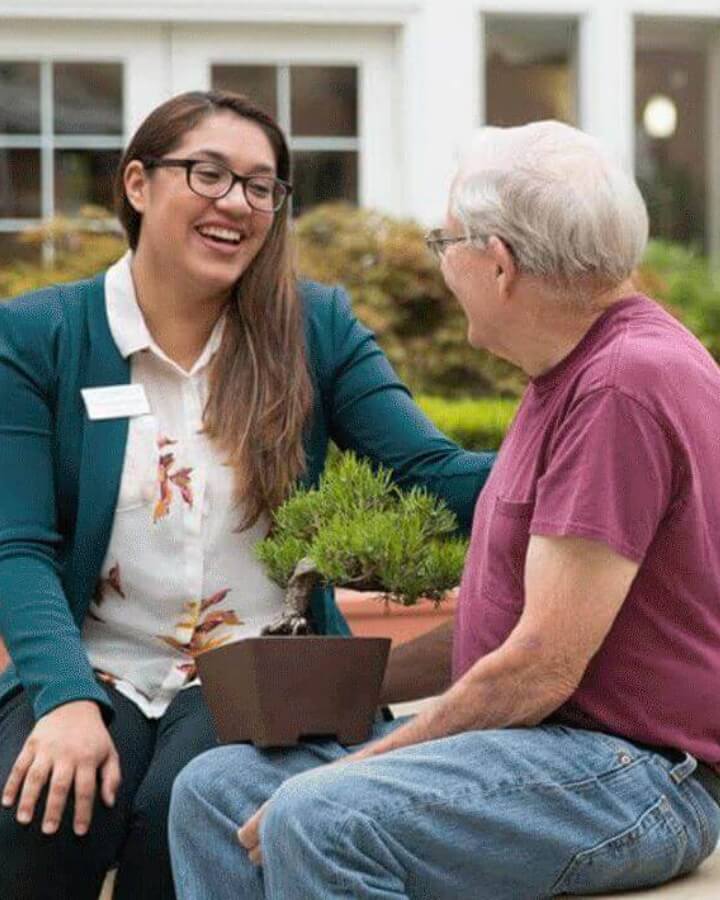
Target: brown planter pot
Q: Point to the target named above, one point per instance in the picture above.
(370, 615)
(273, 691)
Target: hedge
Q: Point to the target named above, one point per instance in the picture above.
(397, 290)
(474, 424)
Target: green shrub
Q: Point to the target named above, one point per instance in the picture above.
(80, 251)
(398, 291)
(683, 280)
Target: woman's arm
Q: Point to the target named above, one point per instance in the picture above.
(69, 745)
(419, 668)
(36, 623)
(373, 413)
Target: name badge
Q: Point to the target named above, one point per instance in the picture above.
(115, 402)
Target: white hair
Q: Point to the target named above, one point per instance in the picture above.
(566, 209)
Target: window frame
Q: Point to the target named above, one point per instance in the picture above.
(283, 93)
(48, 142)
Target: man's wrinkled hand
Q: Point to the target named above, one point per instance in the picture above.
(66, 749)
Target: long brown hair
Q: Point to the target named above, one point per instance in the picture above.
(260, 393)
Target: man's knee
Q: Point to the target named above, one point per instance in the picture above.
(302, 809)
(234, 780)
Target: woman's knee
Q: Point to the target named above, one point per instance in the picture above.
(35, 865)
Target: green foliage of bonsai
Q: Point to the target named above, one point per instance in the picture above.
(358, 530)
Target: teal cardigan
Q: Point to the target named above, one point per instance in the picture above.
(60, 472)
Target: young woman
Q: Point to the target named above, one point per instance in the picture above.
(151, 419)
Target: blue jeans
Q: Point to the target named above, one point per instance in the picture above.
(516, 813)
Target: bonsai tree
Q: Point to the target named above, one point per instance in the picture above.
(358, 530)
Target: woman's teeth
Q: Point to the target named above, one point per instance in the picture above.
(227, 235)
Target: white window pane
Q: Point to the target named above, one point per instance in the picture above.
(259, 83)
(84, 177)
(322, 176)
(530, 73)
(19, 98)
(20, 184)
(324, 101)
(88, 98)
(670, 129)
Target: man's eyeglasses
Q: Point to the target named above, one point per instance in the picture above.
(438, 241)
(212, 180)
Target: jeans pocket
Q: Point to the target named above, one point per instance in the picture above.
(650, 852)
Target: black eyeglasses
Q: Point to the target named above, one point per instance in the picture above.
(212, 180)
(438, 241)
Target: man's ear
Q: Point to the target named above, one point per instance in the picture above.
(506, 270)
(135, 180)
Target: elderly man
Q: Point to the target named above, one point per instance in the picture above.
(577, 748)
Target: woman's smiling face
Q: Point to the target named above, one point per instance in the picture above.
(210, 243)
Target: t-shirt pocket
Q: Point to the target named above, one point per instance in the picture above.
(138, 484)
(508, 538)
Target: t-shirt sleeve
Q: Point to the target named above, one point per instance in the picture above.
(609, 475)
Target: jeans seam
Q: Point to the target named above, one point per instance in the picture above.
(662, 804)
(384, 811)
(685, 788)
(339, 878)
(702, 822)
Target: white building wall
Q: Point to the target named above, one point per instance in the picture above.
(421, 63)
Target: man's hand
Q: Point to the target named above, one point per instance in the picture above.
(66, 747)
(249, 835)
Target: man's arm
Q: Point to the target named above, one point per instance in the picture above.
(419, 668)
(574, 589)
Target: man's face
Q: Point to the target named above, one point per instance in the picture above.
(470, 273)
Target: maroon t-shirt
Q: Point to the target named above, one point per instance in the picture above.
(618, 443)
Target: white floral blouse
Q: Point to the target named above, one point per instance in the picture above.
(178, 578)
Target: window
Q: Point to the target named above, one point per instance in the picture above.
(61, 137)
(671, 136)
(530, 70)
(317, 107)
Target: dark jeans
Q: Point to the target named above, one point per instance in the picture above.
(132, 835)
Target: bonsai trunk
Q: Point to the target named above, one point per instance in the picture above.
(293, 618)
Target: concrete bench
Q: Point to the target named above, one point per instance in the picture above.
(701, 885)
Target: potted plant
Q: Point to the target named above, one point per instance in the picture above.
(357, 530)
